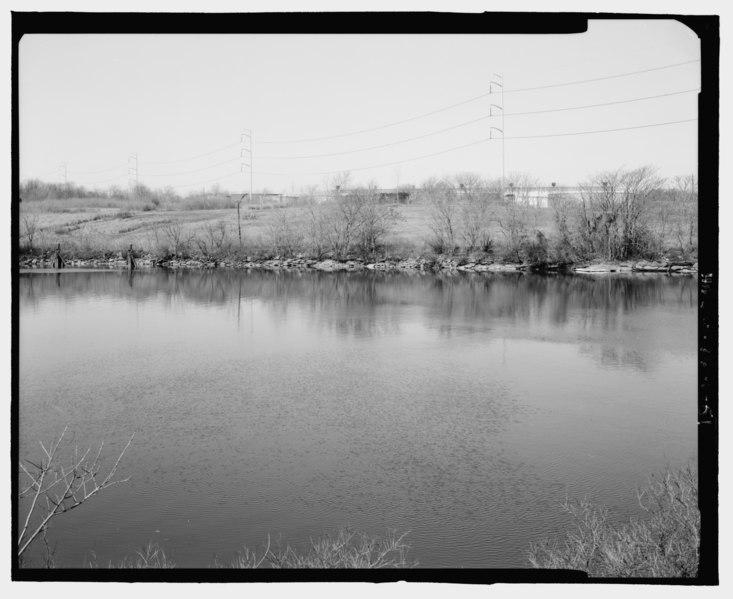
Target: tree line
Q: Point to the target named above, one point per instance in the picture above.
(615, 216)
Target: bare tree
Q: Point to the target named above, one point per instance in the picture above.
(176, 236)
(339, 218)
(285, 232)
(213, 240)
(513, 220)
(442, 200)
(612, 211)
(377, 220)
(476, 210)
(342, 221)
(562, 213)
(54, 487)
(30, 226)
(339, 182)
(517, 218)
(315, 222)
(685, 196)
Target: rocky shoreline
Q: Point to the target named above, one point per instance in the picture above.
(438, 264)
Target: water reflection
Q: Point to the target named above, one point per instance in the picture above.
(618, 357)
(462, 408)
(374, 304)
(515, 296)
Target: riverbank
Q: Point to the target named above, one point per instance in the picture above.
(425, 264)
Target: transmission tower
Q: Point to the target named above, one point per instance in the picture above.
(498, 81)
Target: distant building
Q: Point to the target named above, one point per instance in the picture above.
(384, 196)
(542, 197)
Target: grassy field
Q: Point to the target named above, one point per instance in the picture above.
(89, 225)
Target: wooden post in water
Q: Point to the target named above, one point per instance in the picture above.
(57, 261)
(130, 259)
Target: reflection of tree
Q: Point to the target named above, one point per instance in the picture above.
(27, 292)
(616, 356)
(365, 303)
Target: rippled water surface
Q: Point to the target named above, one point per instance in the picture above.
(462, 409)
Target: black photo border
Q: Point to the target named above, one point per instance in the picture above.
(707, 27)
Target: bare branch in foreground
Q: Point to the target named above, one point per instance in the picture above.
(62, 486)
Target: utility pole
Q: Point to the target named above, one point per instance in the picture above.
(242, 164)
(248, 135)
(132, 183)
(499, 84)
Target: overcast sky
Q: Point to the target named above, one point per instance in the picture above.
(181, 103)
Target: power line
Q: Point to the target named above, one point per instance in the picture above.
(482, 141)
(448, 150)
(414, 118)
(669, 66)
(117, 178)
(193, 157)
(198, 170)
(215, 179)
(392, 124)
(363, 168)
(473, 121)
(394, 143)
(481, 118)
(686, 91)
(105, 170)
(603, 130)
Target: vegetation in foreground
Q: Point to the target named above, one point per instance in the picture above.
(616, 216)
(56, 484)
(664, 544)
(346, 549)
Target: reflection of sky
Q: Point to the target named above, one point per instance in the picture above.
(451, 407)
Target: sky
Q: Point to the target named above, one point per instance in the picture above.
(319, 105)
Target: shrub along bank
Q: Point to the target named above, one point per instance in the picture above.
(617, 217)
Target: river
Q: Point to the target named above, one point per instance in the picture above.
(460, 408)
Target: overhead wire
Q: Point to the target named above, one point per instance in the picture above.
(685, 91)
(423, 115)
(192, 157)
(105, 170)
(214, 180)
(482, 118)
(506, 91)
(578, 82)
(414, 118)
(394, 143)
(109, 180)
(482, 141)
(446, 151)
(198, 170)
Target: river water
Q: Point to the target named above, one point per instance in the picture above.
(463, 409)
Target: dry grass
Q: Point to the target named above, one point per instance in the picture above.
(347, 549)
(110, 225)
(150, 557)
(89, 226)
(663, 544)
